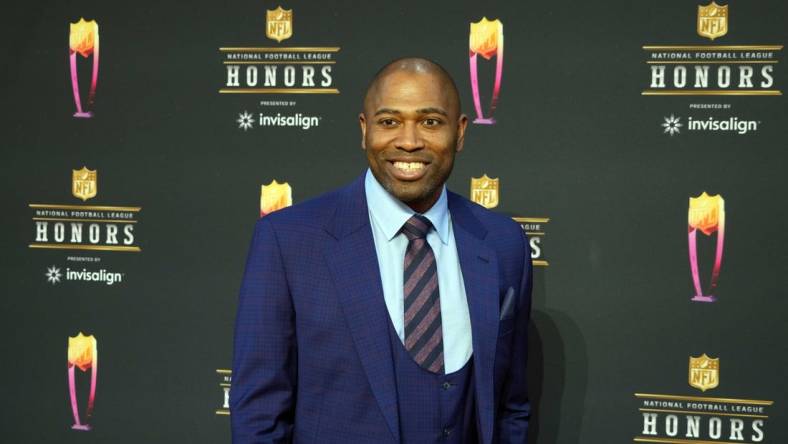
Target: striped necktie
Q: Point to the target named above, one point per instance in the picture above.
(423, 332)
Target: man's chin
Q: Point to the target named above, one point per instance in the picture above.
(413, 197)
(406, 191)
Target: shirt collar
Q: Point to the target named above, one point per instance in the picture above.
(391, 214)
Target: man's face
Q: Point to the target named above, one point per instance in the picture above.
(411, 129)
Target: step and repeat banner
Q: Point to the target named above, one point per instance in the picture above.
(642, 147)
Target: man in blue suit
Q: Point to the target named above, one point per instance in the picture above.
(390, 310)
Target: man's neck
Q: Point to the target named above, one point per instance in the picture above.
(423, 205)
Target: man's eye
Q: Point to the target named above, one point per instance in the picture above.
(431, 122)
(387, 122)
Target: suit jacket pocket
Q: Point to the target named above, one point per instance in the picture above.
(505, 326)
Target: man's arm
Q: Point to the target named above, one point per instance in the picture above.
(515, 408)
(262, 397)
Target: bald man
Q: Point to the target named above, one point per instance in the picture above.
(391, 310)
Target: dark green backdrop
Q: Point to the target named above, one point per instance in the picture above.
(575, 141)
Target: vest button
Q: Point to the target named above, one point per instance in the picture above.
(446, 385)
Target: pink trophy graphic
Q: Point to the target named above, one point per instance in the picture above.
(707, 215)
(486, 39)
(82, 354)
(83, 40)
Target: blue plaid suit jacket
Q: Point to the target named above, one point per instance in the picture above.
(312, 360)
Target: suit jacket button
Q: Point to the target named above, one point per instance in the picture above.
(446, 385)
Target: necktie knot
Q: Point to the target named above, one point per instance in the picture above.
(416, 227)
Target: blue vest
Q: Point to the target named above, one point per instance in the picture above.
(433, 408)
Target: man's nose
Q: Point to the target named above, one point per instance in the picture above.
(409, 138)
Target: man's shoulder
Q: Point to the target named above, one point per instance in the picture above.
(500, 232)
(311, 214)
(497, 225)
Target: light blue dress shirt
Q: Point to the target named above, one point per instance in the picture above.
(387, 215)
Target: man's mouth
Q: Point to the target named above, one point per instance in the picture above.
(409, 166)
(407, 170)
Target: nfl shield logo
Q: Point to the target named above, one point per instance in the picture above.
(484, 191)
(704, 372)
(712, 20)
(84, 183)
(279, 24)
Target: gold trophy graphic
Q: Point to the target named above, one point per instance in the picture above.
(83, 39)
(275, 196)
(486, 40)
(82, 355)
(706, 215)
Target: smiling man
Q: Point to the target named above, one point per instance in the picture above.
(413, 131)
(391, 310)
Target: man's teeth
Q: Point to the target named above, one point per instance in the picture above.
(409, 166)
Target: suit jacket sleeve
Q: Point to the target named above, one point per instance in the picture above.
(515, 408)
(262, 398)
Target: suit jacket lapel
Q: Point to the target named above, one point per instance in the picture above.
(353, 262)
(480, 273)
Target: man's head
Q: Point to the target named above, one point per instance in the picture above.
(411, 128)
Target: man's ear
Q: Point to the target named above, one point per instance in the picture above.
(362, 121)
(462, 124)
